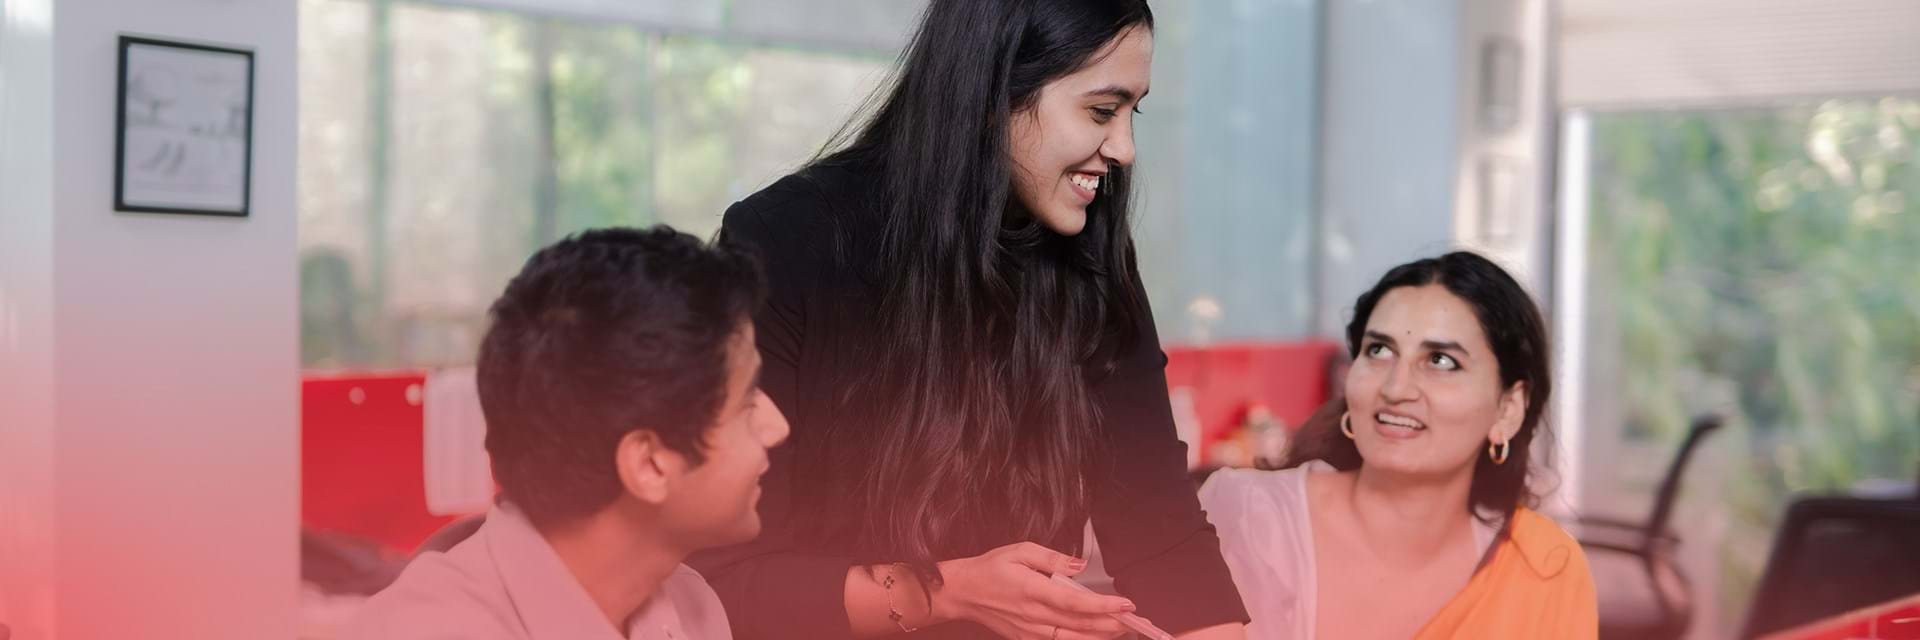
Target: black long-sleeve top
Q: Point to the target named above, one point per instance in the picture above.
(789, 583)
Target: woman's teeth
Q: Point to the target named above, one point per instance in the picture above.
(1090, 183)
(1399, 421)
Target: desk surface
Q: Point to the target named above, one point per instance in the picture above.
(1896, 620)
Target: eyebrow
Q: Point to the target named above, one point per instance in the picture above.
(1430, 345)
(1117, 91)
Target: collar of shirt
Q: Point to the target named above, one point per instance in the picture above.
(550, 601)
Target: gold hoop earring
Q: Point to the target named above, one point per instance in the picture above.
(1346, 425)
(1499, 451)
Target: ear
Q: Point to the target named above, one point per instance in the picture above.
(1513, 411)
(647, 467)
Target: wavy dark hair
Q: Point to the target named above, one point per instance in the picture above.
(1518, 335)
(991, 326)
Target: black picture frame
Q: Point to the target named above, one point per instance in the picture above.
(191, 159)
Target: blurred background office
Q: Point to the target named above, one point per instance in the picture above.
(1708, 195)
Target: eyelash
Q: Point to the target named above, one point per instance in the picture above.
(1373, 351)
(1103, 115)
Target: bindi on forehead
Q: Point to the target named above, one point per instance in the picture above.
(1425, 314)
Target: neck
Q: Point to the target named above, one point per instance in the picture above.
(1386, 506)
(619, 567)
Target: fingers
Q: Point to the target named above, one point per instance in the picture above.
(1074, 601)
(1077, 634)
(1064, 606)
(1062, 632)
(1031, 605)
(1066, 598)
(1044, 560)
(1086, 624)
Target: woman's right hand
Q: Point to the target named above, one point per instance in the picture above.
(1007, 590)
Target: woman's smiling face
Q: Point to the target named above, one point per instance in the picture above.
(1078, 127)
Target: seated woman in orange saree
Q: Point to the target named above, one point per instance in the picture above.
(1402, 508)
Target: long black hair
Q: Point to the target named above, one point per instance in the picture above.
(1518, 336)
(977, 407)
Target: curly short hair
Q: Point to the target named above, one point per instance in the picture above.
(601, 334)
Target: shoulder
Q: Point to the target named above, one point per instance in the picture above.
(1229, 484)
(813, 198)
(1236, 499)
(799, 218)
(1280, 484)
(1266, 542)
(696, 604)
(438, 596)
(1548, 550)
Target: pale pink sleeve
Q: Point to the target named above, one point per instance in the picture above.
(1265, 538)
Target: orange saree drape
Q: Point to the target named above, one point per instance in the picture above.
(1536, 585)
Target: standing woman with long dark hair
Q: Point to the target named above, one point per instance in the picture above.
(958, 334)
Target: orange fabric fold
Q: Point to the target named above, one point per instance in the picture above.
(1536, 585)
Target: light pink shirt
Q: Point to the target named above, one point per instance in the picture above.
(506, 583)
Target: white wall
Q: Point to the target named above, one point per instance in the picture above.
(168, 406)
(1406, 153)
(1388, 142)
(1404, 140)
(1223, 207)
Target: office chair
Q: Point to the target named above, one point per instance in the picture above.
(1659, 603)
(452, 534)
(1834, 555)
(338, 563)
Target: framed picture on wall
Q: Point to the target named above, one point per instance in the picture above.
(185, 128)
